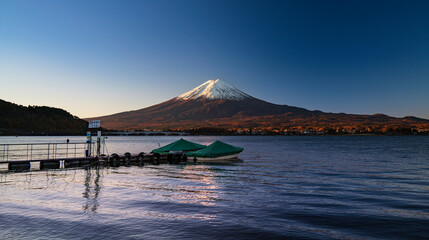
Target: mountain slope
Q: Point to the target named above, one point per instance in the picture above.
(218, 104)
(19, 120)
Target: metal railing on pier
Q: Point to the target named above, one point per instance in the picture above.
(45, 151)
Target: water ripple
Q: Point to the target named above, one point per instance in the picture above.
(357, 187)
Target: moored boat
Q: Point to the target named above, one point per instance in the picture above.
(216, 151)
(180, 145)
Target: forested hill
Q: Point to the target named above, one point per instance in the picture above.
(34, 120)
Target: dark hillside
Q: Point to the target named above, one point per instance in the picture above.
(34, 120)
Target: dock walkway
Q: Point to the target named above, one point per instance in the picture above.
(39, 156)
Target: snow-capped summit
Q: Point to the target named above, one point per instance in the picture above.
(214, 89)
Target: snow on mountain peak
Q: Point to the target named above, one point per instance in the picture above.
(214, 89)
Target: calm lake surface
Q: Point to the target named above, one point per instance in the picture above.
(326, 187)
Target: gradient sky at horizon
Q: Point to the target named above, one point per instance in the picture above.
(95, 58)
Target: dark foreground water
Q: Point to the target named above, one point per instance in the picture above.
(348, 187)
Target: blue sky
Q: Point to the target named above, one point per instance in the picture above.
(95, 58)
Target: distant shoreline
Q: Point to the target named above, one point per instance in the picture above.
(130, 134)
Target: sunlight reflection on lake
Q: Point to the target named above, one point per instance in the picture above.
(284, 187)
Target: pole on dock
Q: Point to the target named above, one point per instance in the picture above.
(88, 141)
(95, 124)
(98, 143)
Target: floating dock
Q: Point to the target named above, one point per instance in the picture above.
(39, 156)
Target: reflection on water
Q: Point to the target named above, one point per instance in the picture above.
(92, 189)
(205, 194)
(285, 188)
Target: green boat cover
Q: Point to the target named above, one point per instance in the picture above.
(216, 149)
(179, 145)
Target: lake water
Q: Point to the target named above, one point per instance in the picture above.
(325, 187)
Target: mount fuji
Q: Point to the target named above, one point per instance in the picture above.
(216, 103)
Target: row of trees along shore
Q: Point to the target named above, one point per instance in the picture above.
(375, 130)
